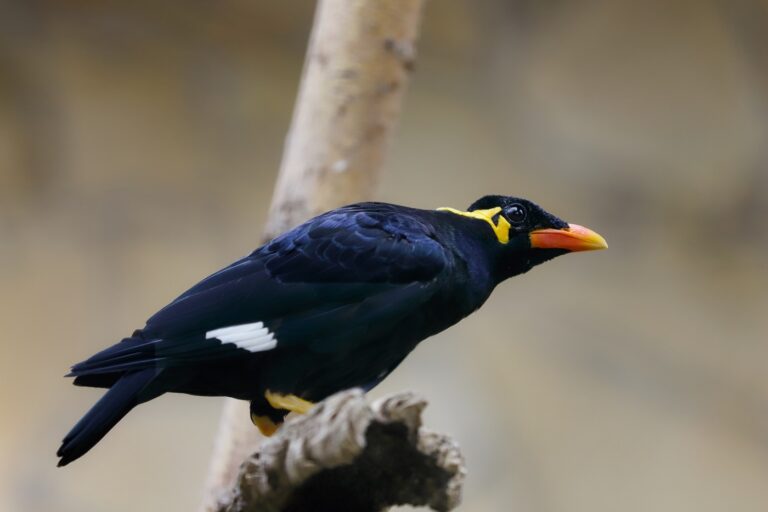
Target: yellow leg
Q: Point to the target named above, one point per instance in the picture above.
(288, 402)
(266, 426)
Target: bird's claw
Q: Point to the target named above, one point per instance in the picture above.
(288, 402)
(266, 426)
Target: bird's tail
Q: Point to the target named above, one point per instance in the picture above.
(125, 394)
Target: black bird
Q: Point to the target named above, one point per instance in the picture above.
(337, 302)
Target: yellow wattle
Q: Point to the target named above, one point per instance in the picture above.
(500, 228)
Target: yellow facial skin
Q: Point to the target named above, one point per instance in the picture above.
(574, 238)
(500, 227)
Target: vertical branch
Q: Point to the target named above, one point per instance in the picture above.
(356, 68)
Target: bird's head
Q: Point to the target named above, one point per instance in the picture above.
(524, 234)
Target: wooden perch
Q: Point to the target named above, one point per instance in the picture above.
(359, 59)
(351, 456)
(360, 56)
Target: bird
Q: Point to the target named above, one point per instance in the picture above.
(332, 304)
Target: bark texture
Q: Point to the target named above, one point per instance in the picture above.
(360, 55)
(348, 455)
(359, 58)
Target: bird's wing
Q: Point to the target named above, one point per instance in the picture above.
(324, 284)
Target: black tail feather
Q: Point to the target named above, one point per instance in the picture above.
(129, 354)
(98, 380)
(130, 390)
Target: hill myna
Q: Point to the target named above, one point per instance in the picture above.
(335, 303)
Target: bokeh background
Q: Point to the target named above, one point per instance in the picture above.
(139, 143)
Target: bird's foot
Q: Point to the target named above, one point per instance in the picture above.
(265, 424)
(288, 402)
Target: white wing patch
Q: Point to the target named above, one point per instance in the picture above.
(251, 337)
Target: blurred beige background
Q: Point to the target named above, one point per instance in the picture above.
(139, 143)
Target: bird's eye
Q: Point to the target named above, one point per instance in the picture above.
(515, 213)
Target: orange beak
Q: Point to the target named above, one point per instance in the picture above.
(573, 238)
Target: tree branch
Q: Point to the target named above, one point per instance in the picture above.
(347, 455)
(360, 55)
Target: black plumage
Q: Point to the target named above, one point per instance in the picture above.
(335, 303)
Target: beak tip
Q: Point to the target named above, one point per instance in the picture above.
(589, 240)
(599, 243)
